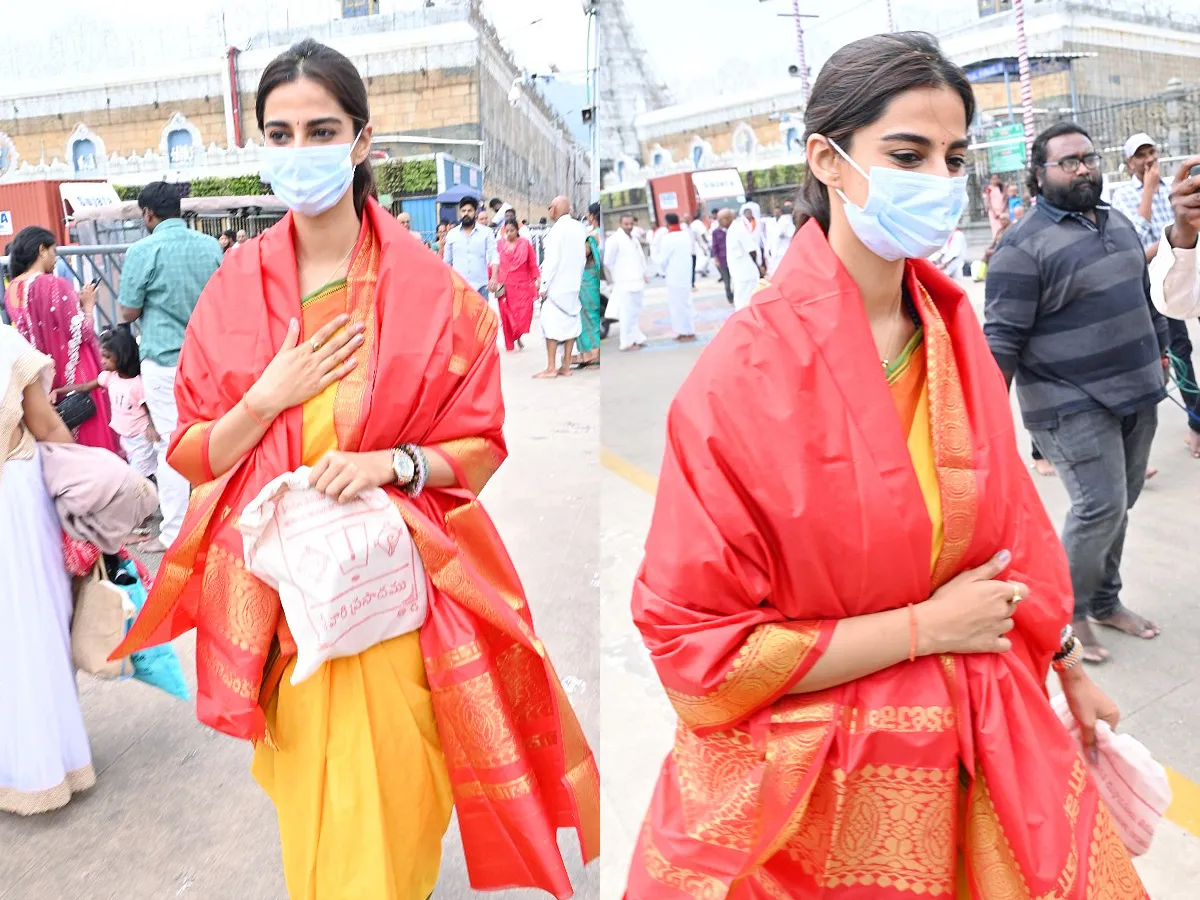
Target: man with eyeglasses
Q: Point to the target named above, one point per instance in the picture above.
(1068, 316)
(1146, 202)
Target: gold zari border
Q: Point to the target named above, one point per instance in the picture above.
(764, 665)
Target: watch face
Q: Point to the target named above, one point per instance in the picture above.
(403, 465)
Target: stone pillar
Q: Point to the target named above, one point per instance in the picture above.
(1173, 96)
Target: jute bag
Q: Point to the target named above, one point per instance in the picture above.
(102, 613)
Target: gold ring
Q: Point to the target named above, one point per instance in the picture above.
(1016, 597)
(316, 345)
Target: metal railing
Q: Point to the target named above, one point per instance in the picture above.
(86, 264)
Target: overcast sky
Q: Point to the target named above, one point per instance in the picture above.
(698, 47)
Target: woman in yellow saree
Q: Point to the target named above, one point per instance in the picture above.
(854, 618)
(337, 342)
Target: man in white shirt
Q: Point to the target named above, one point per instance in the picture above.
(700, 251)
(565, 249)
(628, 274)
(1175, 268)
(785, 228)
(676, 262)
(744, 250)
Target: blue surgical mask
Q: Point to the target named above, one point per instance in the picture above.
(310, 180)
(907, 214)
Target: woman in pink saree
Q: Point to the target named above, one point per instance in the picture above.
(58, 322)
(519, 276)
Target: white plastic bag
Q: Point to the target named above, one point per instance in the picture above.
(348, 574)
(1132, 785)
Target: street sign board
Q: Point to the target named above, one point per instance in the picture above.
(1008, 154)
(6, 225)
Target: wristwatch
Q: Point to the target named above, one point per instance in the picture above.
(403, 466)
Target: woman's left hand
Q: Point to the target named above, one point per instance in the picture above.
(1088, 705)
(343, 476)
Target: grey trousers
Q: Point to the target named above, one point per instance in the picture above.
(1101, 459)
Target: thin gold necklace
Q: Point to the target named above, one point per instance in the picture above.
(341, 263)
(891, 342)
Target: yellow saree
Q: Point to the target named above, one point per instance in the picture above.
(359, 780)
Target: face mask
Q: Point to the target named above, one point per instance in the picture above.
(907, 214)
(310, 180)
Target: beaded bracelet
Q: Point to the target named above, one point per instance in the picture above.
(1066, 641)
(1069, 657)
(421, 470)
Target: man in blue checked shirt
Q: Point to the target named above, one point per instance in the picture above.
(161, 282)
(1146, 202)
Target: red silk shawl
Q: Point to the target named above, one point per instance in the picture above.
(788, 500)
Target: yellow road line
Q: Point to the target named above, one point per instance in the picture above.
(1185, 793)
(634, 474)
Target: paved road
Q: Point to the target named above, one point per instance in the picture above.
(1154, 683)
(175, 813)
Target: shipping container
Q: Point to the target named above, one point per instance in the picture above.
(695, 193)
(422, 215)
(25, 203)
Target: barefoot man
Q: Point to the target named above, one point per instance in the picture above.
(1069, 318)
(565, 250)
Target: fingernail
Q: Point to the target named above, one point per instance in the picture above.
(1004, 557)
(293, 323)
(1093, 755)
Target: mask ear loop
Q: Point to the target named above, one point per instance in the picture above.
(354, 143)
(846, 156)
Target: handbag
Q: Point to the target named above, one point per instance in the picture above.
(75, 409)
(102, 613)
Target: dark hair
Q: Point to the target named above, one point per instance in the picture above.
(162, 199)
(229, 233)
(856, 84)
(495, 203)
(26, 246)
(672, 219)
(124, 349)
(542, 220)
(1038, 153)
(337, 74)
(513, 222)
(594, 209)
(469, 201)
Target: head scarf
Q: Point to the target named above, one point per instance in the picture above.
(754, 213)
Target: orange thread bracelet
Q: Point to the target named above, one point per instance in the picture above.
(255, 416)
(912, 634)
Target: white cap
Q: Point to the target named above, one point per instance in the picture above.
(1135, 143)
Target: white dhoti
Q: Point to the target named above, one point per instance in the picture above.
(683, 311)
(745, 280)
(628, 300)
(560, 317)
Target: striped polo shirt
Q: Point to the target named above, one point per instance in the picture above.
(1068, 313)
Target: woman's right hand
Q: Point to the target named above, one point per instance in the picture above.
(299, 372)
(971, 613)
